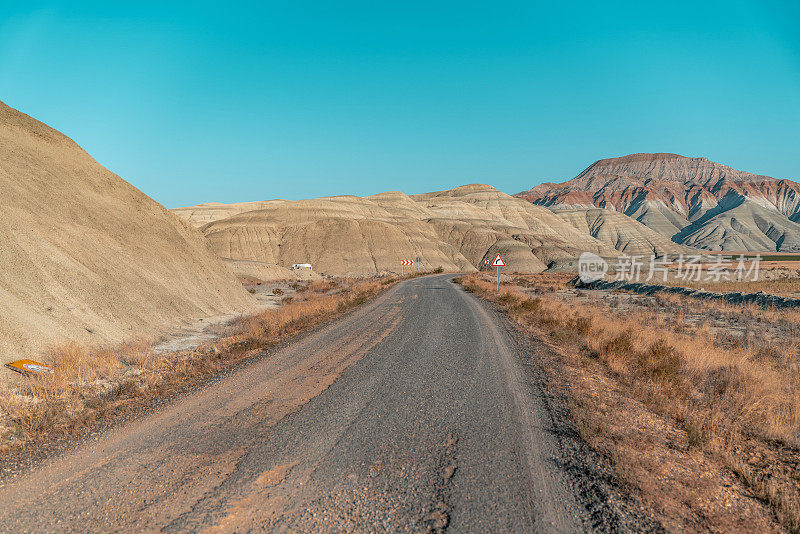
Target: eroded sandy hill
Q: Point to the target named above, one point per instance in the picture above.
(457, 229)
(620, 231)
(86, 256)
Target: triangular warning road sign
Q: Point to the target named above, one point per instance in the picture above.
(498, 261)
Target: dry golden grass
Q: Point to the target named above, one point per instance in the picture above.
(320, 286)
(87, 383)
(728, 399)
(544, 282)
(781, 287)
(752, 313)
(315, 307)
(90, 383)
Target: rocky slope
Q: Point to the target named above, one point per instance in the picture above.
(86, 256)
(692, 201)
(457, 230)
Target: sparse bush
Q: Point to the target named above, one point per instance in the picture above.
(718, 381)
(321, 286)
(277, 291)
(531, 304)
(696, 434)
(660, 361)
(619, 345)
(582, 325)
(564, 335)
(439, 270)
(126, 388)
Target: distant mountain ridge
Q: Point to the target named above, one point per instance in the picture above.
(693, 201)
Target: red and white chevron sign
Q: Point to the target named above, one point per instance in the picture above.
(406, 262)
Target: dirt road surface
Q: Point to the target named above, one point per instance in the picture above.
(420, 411)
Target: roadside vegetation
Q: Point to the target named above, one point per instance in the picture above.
(783, 287)
(775, 279)
(90, 383)
(688, 399)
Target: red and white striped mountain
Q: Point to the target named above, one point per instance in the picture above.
(693, 201)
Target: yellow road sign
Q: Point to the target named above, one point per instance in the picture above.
(30, 367)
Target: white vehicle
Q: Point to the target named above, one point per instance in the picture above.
(300, 266)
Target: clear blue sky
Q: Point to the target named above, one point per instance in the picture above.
(228, 101)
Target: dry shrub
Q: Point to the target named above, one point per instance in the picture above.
(530, 305)
(322, 286)
(744, 313)
(618, 346)
(544, 282)
(781, 286)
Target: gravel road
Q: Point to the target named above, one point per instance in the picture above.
(420, 411)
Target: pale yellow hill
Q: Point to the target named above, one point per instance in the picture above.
(86, 256)
(347, 235)
(534, 235)
(214, 211)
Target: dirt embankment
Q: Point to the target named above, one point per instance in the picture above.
(85, 256)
